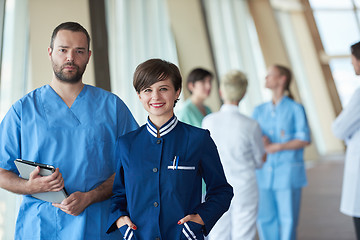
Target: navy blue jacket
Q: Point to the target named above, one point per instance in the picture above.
(158, 182)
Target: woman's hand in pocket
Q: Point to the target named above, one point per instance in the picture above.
(125, 220)
(193, 218)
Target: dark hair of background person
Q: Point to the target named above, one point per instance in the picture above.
(284, 71)
(71, 26)
(355, 50)
(197, 74)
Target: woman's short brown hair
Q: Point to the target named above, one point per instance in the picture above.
(153, 71)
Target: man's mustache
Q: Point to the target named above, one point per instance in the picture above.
(70, 65)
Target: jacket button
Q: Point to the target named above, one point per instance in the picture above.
(156, 204)
(158, 141)
(155, 169)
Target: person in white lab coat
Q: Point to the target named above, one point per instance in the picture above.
(241, 149)
(347, 127)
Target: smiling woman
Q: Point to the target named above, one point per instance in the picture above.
(158, 90)
(169, 171)
(158, 100)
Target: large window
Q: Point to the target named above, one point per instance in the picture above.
(2, 16)
(236, 46)
(14, 65)
(13, 85)
(338, 25)
(138, 30)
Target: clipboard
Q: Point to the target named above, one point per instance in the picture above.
(26, 167)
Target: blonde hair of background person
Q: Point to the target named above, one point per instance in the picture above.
(239, 142)
(233, 86)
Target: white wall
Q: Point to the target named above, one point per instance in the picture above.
(44, 16)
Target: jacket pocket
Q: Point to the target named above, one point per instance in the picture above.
(192, 231)
(127, 232)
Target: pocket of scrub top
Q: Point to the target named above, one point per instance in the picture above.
(191, 231)
(127, 232)
(286, 136)
(100, 133)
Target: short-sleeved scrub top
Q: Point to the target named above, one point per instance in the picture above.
(79, 141)
(281, 123)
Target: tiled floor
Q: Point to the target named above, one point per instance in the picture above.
(320, 218)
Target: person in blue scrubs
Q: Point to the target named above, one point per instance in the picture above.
(74, 127)
(157, 187)
(285, 134)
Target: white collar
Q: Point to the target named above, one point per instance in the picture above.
(229, 107)
(165, 129)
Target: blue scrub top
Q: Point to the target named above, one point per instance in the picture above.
(281, 123)
(158, 182)
(80, 141)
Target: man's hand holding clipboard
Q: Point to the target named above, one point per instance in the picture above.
(45, 182)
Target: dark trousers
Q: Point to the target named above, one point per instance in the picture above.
(357, 227)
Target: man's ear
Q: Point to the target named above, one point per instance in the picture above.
(50, 51)
(90, 52)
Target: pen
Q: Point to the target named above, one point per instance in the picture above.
(177, 161)
(173, 167)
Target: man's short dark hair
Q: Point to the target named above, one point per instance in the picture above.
(71, 26)
(355, 50)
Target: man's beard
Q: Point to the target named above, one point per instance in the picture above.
(68, 77)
